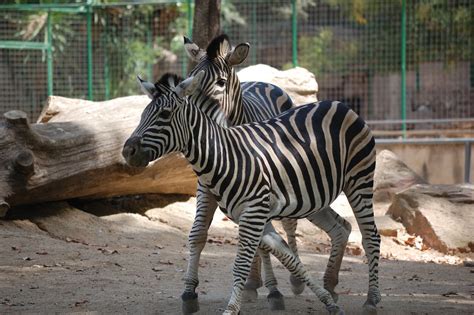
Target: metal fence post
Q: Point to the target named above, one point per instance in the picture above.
(149, 42)
(403, 69)
(105, 38)
(49, 54)
(294, 33)
(467, 161)
(89, 49)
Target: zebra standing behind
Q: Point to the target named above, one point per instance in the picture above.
(289, 166)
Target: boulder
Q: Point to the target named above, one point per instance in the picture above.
(392, 176)
(298, 82)
(441, 214)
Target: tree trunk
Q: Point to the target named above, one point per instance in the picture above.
(80, 157)
(206, 23)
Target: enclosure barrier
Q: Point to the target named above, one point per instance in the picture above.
(409, 62)
(468, 144)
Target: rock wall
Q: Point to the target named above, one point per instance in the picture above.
(436, 163)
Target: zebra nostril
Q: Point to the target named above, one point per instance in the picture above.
(132, 151)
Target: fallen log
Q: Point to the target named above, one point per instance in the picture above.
(79, 159)
(61, 109)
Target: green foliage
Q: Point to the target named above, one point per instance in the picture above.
(326, 53)
(367, 35)
(137, 56)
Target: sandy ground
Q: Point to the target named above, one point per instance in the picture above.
(69, 261)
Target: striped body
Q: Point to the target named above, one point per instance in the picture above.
(291, 166)
(235, 104)
(305, 165)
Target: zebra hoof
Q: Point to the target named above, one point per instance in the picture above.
(335, 310)
(276, 301)
(249, 295)
(297, 286)
(190, 302)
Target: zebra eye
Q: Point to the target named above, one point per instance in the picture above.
(221, 82)
(165, 114)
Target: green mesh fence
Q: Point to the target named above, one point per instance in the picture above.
(402, 65)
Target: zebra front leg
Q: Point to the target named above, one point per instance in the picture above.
(274, 243)
(362, 205)
(289, 225)
(250, 233)
(205, 208)
(254, 281)
(338, 230)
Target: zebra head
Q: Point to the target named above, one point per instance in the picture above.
(220, 81)
(156, 133)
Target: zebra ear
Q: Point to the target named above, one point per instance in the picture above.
(218, 47)
(193, 50)
(146, 87)
(190, 85)
(238, 54)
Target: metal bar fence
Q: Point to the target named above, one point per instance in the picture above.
(409, 63)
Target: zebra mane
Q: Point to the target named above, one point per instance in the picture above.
(168, 81)
(219, 46)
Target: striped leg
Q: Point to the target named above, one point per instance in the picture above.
(275, 298)
(254, 280)
(338, 230)
(205, 208)
(289, 225)
(361, 203)
(250, 234)
(274, 243)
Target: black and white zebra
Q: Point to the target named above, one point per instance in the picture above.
(242, 103)
(236, 103)
(291, 166)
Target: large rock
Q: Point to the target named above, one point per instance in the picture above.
(392, 176)
(441, 214)
(298, 82)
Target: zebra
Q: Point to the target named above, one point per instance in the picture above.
(240, 103)
(248, 102)
(292, 166)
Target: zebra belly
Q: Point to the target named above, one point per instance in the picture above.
(289, 205)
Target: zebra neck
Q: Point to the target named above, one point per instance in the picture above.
(211, 108)
(204, 146)
(232, 102)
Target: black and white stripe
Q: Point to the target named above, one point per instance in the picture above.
(293, 165)
(235, 103)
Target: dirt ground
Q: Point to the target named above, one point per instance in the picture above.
(62, 260)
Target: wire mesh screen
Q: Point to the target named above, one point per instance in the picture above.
(356, 49)
(265, 25)
(22, 72)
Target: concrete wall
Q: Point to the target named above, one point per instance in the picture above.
(437, 163)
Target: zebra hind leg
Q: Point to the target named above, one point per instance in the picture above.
(362, 205)
(275, 244)
(254, 281)
(289, 225)
(338, 230)
(275, 299)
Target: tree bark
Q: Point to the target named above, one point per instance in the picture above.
(206, 23)
(80, 158)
